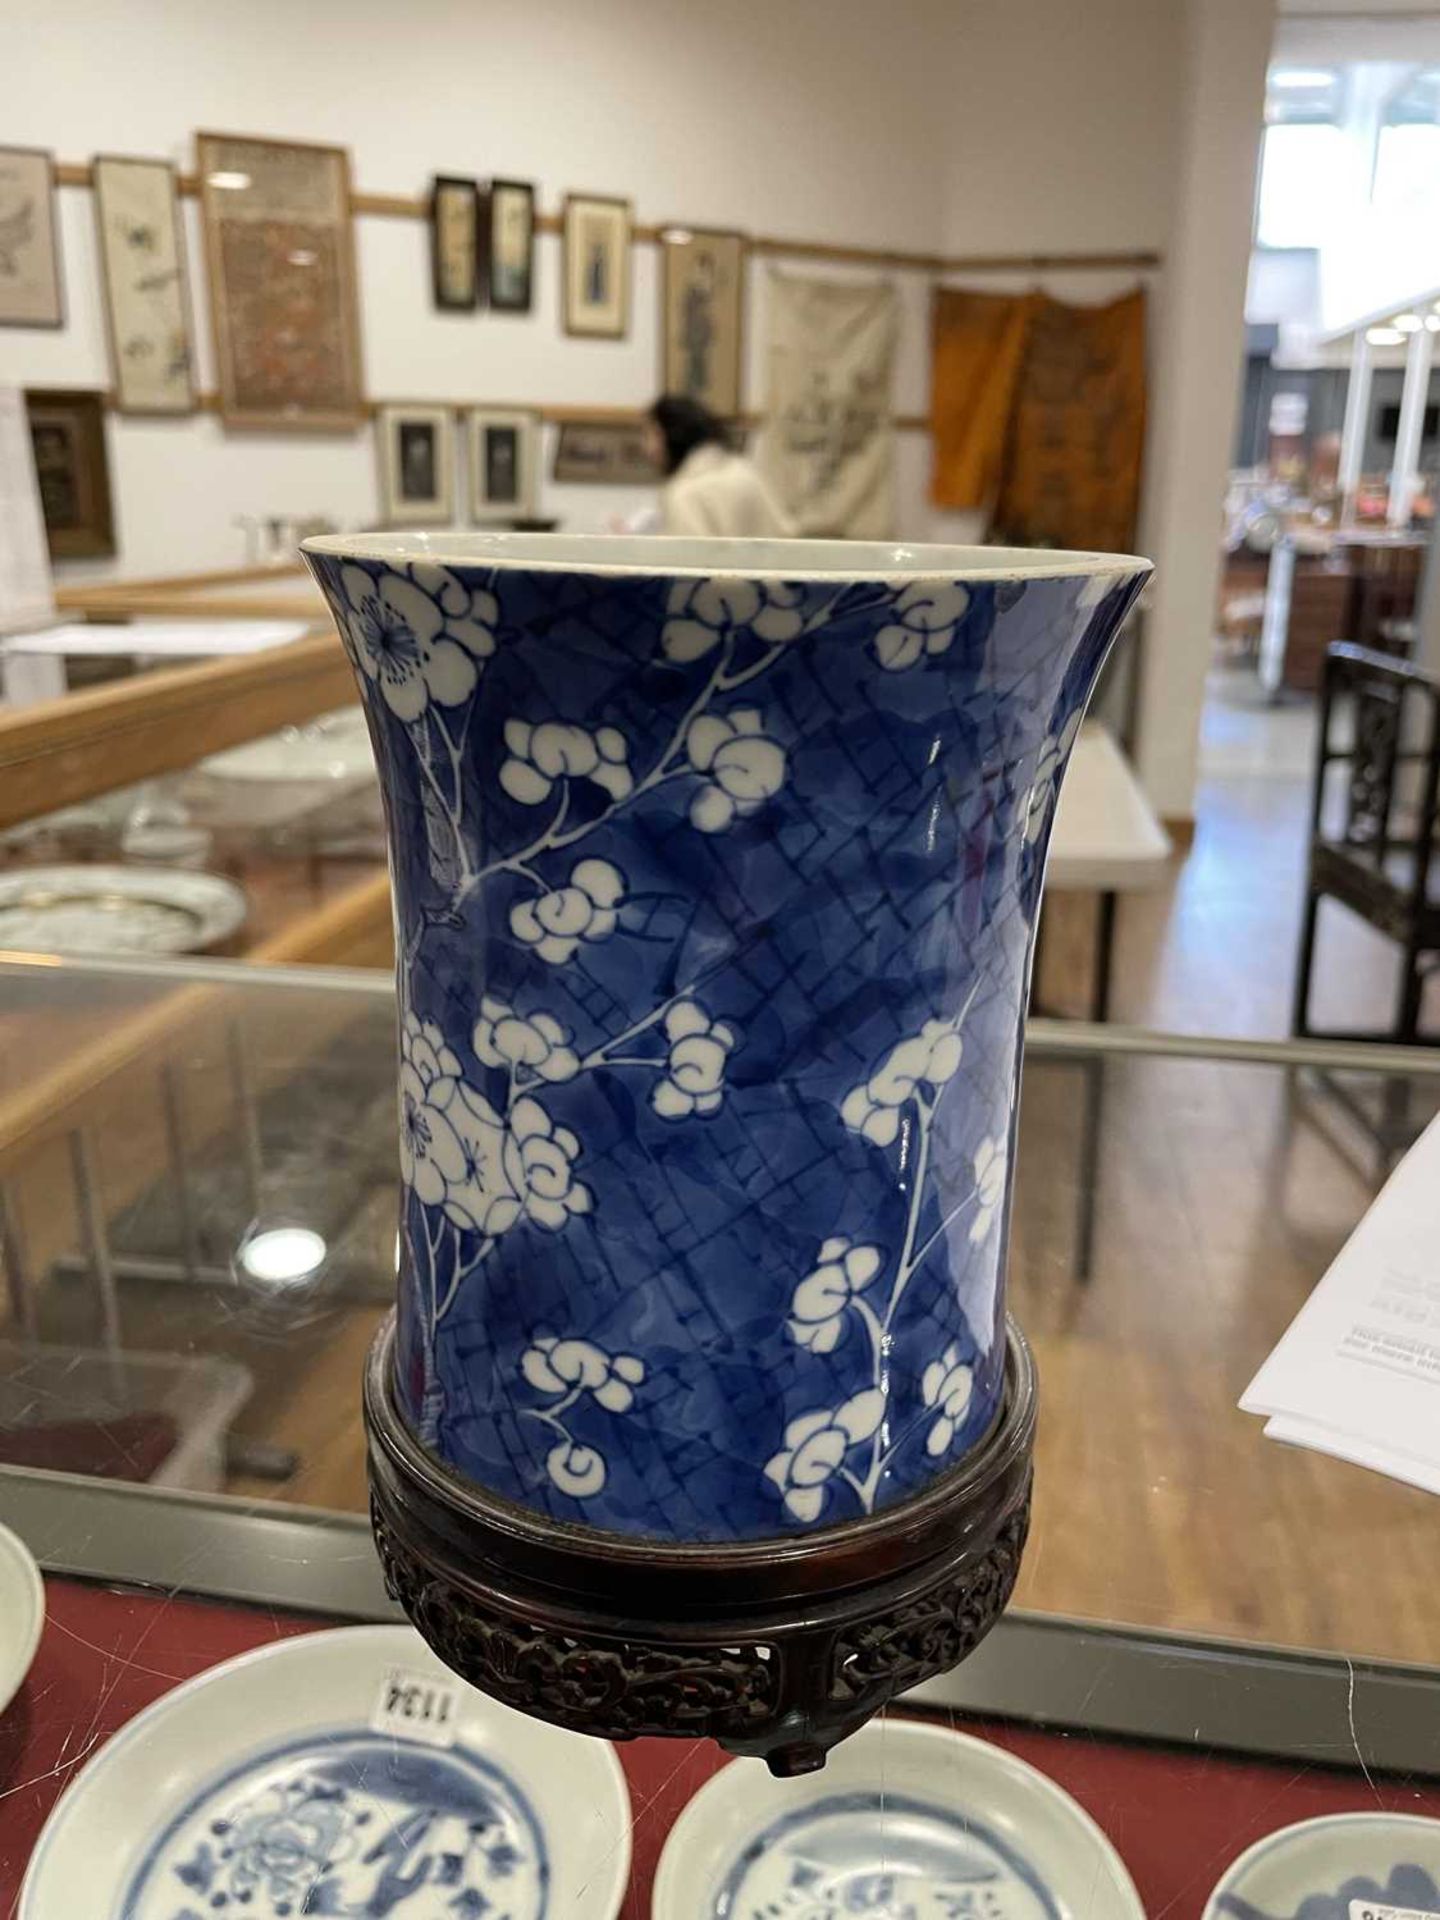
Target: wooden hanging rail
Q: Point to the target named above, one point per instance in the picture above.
(552, 413)
(401, 206)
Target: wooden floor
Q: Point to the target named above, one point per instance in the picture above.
(1223, 1193)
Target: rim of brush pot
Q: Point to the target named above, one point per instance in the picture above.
(678, 557)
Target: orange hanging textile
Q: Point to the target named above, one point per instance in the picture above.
(977, 348)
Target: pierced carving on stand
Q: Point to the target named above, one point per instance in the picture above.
(619, 1691)
(776, 1648)
(937, 1632)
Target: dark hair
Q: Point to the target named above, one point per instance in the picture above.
(684, 425)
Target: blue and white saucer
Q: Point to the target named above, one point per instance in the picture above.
(1327, 1869)
(22, 1613)
(282, 1785)
(906, 1820)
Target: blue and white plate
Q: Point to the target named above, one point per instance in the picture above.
(905, 1820)
(276, 1786)
(22, 1613)
(1388, 1863)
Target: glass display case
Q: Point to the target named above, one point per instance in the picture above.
(1215, 1636)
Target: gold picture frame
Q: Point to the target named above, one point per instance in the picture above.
(147, 291)
(702, 316)
(280, 254)
(595, 281)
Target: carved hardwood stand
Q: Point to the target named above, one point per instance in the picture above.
(778, 1648)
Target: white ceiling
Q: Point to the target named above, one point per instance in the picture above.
(1341, 30)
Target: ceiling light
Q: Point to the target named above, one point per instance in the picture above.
(1432, 323)
(229, 182)
(1384, 336)
(1407, 322)
(281, 1256)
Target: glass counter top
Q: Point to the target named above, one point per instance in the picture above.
(198, 1194)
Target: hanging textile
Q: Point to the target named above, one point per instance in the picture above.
(1039, 416)
(828, 445)
(1072, 475)
(977, 343)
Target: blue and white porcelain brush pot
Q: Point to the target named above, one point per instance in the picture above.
(716, 870)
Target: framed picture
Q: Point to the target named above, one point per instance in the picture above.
(702, 294)
(512, 245)
(147, 299)
(30, 291)
(611, 453)
(503, 442)
(455, 243)
(416, 446)
(596, 278)
(67, 431)
(280, 248)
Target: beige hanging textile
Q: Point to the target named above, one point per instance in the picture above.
(828, 445)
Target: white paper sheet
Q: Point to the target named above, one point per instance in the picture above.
(1399, 1466)
(190, 639)
(1358, 1372)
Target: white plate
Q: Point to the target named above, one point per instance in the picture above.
(334, 746)
(22, 1613)
(261, 1781)
(904, 1819)
(1384, 1860)
(117, 910)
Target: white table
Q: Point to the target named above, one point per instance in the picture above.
(1106, 840)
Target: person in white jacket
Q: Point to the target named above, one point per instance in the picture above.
(709, 489)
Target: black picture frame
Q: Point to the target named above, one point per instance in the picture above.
(72, 466)
(510, 292)
(460, 193)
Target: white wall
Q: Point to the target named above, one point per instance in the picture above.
(807, 119)
(1059, 126)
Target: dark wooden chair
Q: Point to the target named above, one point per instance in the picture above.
(1372, 845)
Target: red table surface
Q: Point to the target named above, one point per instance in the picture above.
(1176, 1817)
